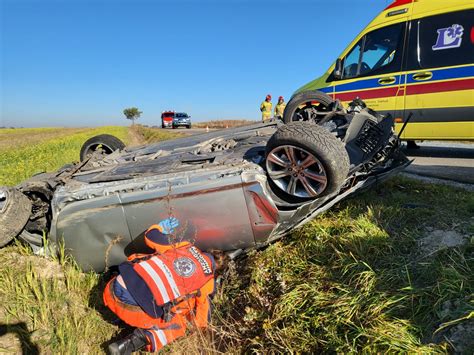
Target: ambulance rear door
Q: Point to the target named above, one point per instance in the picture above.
(440, 74)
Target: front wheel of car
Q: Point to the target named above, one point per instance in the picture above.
(304, 161)
(105, 143)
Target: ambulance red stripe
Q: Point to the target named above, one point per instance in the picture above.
(445, 86)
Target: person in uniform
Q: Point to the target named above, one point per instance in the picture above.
(161, 294)
(266, 108)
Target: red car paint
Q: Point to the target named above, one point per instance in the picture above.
(399, 3)
(167, 118)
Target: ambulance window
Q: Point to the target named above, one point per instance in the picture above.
(382, 50)
(446, 40)
(351, 62)
(381, 53)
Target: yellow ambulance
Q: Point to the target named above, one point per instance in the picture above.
(416, 56)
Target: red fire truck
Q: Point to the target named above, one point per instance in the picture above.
(167, 119)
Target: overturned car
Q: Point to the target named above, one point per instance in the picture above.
(233, 189)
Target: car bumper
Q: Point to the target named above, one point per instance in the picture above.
(182, 123)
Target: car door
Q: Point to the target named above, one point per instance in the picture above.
(440, 77)
(372, 70)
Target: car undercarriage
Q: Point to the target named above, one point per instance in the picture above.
(234, 189)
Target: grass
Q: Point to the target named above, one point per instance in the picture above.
(46, 153)
(52, 297)
(152, 135)
(352, 280)
(223, 123)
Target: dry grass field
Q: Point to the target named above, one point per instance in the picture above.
(218, 124)
(388, 271)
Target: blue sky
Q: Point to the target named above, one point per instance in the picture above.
(81, 62)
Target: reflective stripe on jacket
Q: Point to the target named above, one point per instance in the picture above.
(176, 273)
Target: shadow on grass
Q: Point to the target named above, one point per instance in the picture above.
(23, 335)
(96, 302)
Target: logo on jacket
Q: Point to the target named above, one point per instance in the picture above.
(204, 264)
(184, 267)
(450, 37)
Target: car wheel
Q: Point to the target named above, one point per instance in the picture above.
(105, 142)
(15, 210)
(188, 126)
(308, 106)
(304, 161)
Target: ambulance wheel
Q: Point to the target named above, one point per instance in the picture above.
(106, 143)
(304, 161)
(15, 210)
(310, 106)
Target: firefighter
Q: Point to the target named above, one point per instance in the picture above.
(266, 108)
(161, 293)
(280, 107)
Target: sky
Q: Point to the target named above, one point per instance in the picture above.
(81, 62)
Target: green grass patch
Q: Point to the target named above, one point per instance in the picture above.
(355, 279)
(54, 301)
(18, 164)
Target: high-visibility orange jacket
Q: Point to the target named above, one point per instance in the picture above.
(169, 289)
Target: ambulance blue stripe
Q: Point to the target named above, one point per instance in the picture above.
(327, 90)
(444, 74)
(365, 84)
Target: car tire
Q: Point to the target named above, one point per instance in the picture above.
(188, 126)
(293, 110)
(15, 211)
(304, 161)
(108, 143)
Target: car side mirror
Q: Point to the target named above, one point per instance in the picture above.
(337, 73)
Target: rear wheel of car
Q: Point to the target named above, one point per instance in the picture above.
(15, 210)
(188, 126)
(310, 106)
(304, 161)
(104, 142)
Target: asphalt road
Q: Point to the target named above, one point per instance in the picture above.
(443, 160)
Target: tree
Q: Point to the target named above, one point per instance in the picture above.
(132, 113)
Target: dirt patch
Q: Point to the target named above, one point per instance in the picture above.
(461, 335)
(437, 240)
(42, 267)
(10, 344)
(135, 138)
